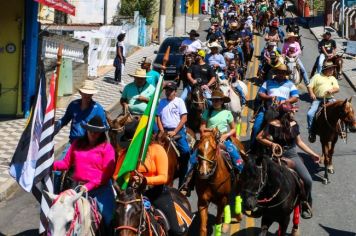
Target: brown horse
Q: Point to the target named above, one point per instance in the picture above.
(337, 61)
(263, 21)
(214, 182)
(328, 124)
(247, 50)
(196, 104)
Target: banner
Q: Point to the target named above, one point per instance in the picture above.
(59, 5)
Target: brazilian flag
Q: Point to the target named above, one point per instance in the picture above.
(138, 147)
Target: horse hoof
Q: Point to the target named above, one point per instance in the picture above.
(326, 181)
(295, 232)
(331, 171)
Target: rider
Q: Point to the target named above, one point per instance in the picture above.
(152, 75)
(93, 159)
(192, 44)
(233, 32)
(154, 172)
(293, 27)
(327, 49)
(271, 58)
(216, 117)
(137, 94)
(232, 74)
(274, 25)
(214, 58)
(284, 131)
(78, 112)
(216, 31)
(322, 86)
(200, 74)
(276, 90)
(272, 34)
(291, 49)
(171, 118)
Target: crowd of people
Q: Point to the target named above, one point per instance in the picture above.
(222, 57)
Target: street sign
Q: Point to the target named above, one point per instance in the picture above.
(351, 47)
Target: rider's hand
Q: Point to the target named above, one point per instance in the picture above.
(329, 92)
(141, 98)
(205, 87)
(83, 189)
(316, 158)
(223, 138)
(216, 66)
(171, 133)
(312, 96)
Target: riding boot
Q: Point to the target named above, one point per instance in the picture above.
(187, 185)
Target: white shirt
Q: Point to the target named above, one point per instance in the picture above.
(193, 46)
(170, 112)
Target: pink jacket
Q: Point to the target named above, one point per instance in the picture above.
(93, 166)
(285, 49)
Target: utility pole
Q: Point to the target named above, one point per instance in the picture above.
(178, 20)
(105, 12)
(343, 18)
(162, 20)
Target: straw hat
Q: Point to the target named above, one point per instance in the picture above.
(218, 94)
(140, 73)
(327, 65)
(214, 45)
(88, 87)
(95, 124)
(282, 67)
(291, 34)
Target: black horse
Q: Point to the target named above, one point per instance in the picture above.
(270, 190)
(196, 104)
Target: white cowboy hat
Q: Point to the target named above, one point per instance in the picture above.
(291, 34)
(88, 87)
(214, 45)
(140, 73)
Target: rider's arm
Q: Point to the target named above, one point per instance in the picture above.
(67, 161)
(68, 115)
(160, 158)
(159, 124)
(124, 99)
(183, 120)
(300, 143)
(262, 138)
(262, 93)
(203, 128)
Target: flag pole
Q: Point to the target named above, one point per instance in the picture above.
(58, 68)
(159, 85)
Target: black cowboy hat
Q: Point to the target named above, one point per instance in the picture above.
(194, 32)
(124, 137)
(171, 85)
(95, 124)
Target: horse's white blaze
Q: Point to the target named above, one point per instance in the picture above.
(205, 164)
(128, 207)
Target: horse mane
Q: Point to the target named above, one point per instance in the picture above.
(84, 208)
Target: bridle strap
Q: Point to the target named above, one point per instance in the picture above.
(128, 202)
(205, 159)
(123, 227)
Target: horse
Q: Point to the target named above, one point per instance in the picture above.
(331, 121)
(174, 165)
(214, 182)
(337, 61)
(72, 214)
(281, 12)
(133, 218)
(196, 104)
(272, 191)
(263, 21)
(247, 50)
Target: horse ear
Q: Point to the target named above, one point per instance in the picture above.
(49, 195)
(345, 102)
(350, 100)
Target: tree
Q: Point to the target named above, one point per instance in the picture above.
(147, 9)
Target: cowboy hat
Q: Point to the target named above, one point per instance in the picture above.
(234, 25)
(291, 34)
(194, 32)
(171, 85)
(146, 60)
(124, 137)
(95, 124)
(282, 67)
(328, 64)
(214, 45)
(218, 94)
(88, 87)
(140, 73)
(271, 43)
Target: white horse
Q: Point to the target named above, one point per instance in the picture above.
(235, 104)
(71, 214)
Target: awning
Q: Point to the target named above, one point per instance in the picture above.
(59, 5)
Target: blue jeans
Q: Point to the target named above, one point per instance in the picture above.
(303, 71)
(241, 93)
(105, 199)
(320, 63)
(230, 148)
(257, 127)
(57, 174)
(313, 109)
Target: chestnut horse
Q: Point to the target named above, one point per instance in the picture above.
(213, 182)
(328, 124)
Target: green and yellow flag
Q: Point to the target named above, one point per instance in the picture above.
(138, 147)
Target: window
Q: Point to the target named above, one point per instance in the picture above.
(113, 43)
(95, 41)
(112, 55)
(99, 55)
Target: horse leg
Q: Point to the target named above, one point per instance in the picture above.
(331, 153)
(283, 226)
(325, 148)
(265, 224)
(203, 211)
(296, 220)
(220, 228)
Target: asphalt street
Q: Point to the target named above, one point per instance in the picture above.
(334, 204)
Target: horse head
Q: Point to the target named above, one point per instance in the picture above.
(63, 216)
(197, 98)
(252, 181)
(207, 154)
(348, 115)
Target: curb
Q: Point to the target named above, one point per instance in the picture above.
(345, 76)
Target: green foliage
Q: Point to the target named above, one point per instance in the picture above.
(147, 8)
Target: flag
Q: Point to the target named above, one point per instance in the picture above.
(32, 170)
(138, 147)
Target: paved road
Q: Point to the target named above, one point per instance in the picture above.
(334, 204)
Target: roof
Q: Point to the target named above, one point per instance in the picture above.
(71, 27)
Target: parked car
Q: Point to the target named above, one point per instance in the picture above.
(176, 58)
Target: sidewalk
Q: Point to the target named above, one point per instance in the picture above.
(108, 96)
(349, 68)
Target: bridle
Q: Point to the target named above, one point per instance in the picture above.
(213, 162)
(199, 101)
(142, 223)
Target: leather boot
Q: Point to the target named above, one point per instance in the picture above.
(187, 185)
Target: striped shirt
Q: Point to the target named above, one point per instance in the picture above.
(282, 91)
